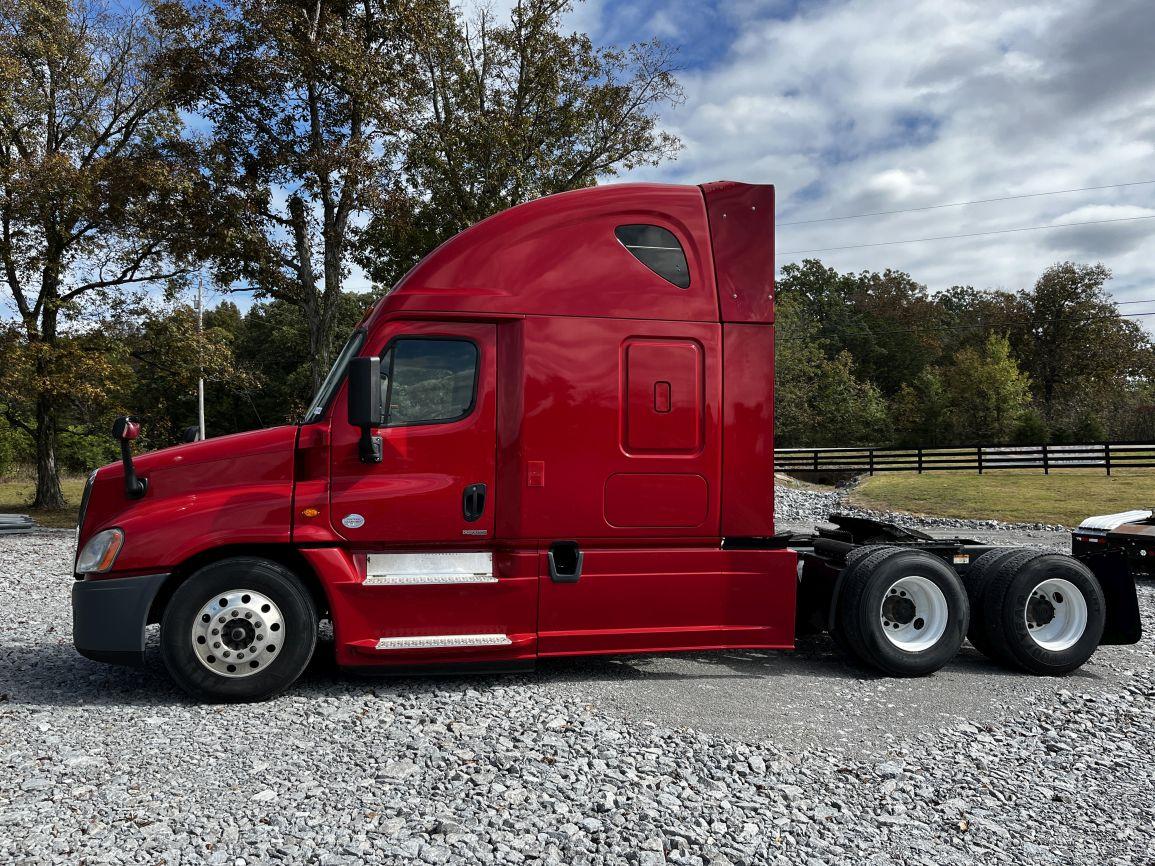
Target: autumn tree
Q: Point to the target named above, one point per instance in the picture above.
(508, 111)
(303, 99)
(96, 192)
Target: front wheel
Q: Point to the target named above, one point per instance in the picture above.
(241, 629)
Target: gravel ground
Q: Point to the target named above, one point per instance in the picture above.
(101, 764)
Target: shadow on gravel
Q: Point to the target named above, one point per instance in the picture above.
(815, 657)
(54, 674)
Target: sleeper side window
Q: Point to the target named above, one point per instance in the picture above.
(427, 381)
(657, 249)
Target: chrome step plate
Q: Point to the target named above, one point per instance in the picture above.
(442, 641)
(428, 569)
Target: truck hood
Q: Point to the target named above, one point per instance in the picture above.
(186, 479)
(236, 447)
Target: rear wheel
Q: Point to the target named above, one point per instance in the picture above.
(1044, 613)
(241, 629)
(854, 559)
(975, 579)
(903, 612)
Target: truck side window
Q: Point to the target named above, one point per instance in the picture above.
(427, 381)
(657, 249)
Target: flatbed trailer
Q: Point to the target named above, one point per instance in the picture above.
(553, 437)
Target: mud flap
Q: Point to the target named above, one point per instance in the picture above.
(1123, 625)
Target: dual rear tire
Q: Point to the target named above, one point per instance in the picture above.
(1035, 610)
(905, 612)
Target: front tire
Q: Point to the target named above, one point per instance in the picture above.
(903, 612)
(241, 629)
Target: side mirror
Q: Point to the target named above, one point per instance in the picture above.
(364, 400)
(124, 430)
(191, 434)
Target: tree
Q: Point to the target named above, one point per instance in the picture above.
(886, 321)
(817, 399)
(1074, 344)
(989, 393)
(304, 99)
(922, 411)
(510, 112)
(168, 355)
(95, 187)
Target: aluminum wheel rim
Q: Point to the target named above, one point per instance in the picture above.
(913, 613)
(238, 633)
(1056, 614)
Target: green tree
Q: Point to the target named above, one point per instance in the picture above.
(168, 355)
(510, 111)
(96, 193)
(922, 411)
(989, 392)
(886, 321)
(305, 100)
(817, 398)
(1075, 345)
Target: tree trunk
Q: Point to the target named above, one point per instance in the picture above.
(48, 492)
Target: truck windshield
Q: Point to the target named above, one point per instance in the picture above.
(333, 380)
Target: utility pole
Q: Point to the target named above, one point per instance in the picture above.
(200, 356)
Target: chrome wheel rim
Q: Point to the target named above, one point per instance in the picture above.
(913, 613)
(1056, 614)
(238, 633)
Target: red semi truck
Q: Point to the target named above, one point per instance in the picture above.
(553, 437)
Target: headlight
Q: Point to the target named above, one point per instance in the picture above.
(100, 552)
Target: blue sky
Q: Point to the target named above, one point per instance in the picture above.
(863, 105)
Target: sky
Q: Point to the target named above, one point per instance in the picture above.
(852, 106)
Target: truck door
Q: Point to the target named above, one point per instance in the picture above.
(433, 586)
(434, 485)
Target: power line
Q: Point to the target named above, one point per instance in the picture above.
(970, 235)
(855, 216)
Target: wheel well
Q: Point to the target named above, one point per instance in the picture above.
(283, 554)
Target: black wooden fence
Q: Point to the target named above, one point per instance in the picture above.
(980, 458)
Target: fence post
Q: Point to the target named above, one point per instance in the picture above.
(815, 459)
(1107, 457)
(871, 459)
(1046, 462)
(979, 452)
(920, 460)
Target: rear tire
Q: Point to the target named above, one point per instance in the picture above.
(241, 629)
(854, 559)
(903, 612)
(976, 580)
(1044, 613)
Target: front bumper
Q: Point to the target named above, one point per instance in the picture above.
(109, 617)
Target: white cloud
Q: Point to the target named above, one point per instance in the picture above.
(866, 105)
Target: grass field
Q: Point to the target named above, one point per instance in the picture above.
(1020, 496)
(15, 494)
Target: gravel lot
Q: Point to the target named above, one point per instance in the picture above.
(733, 758)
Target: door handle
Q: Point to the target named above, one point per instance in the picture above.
(565, 562)
(473, 502)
